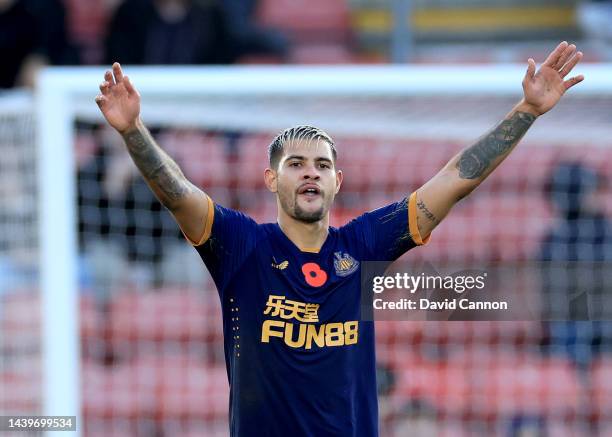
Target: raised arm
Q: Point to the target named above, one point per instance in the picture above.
(465, 171)
(120, 104)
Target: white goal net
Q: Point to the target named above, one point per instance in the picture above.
(20, 339)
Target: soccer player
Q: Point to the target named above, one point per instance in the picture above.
(300, 362)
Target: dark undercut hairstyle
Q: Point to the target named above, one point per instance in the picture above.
(297, 133)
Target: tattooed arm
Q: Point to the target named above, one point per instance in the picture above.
(469, 168)
(120, 104)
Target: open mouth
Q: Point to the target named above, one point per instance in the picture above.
(309, 190)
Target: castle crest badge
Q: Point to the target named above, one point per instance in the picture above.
(345, 264)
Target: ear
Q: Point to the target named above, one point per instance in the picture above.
(339, 179)
(271, 180)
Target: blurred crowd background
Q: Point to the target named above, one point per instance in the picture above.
(150, 320)
(145, 32)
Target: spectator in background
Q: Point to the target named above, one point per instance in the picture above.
(575, 279)
(246, 36)
(32, 34)
(157, 32)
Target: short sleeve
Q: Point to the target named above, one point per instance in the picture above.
(229, 238)
(390, 231)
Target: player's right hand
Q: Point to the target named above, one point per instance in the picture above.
(118, 100)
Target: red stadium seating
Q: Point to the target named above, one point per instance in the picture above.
(21, 385)
(444, 384)
(91, 318)
(322, 54)
(506, 382)
(165, 322)
(20, 321)
(487, 382)
(252, 160)
(308, 20)
(458, 333)
(117, 392)
(318, 29)
(601, 387)
(190, 389)
(530, 385)
(156, 387)
(203, 158)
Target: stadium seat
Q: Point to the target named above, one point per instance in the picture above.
(321, 54)
(512, 224)
(159, 388)
(202, 157)
(399, 342)
(252, 160)
(20, 320)
(601, 386)
(493, 333)
(120, 427)
(485, 382)
(307, 21)
(92, 321)
(91, 318)
(319, 30)
(355, 157)
(189, 389)
(506, 382)
(118, 392)
(20, 384)
(165, 321)
(195, 428)
(445, 385)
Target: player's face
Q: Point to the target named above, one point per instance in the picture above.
(307, 180)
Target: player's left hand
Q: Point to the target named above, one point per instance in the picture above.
(543, 88)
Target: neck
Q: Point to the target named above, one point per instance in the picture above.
(306, 236)
(172, 10)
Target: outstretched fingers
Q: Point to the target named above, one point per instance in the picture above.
(105, 87)
(554, 56)
(128, 85)
(567, 54)
(100, 100)
(570, 64)
(117, 72)
(573, 81)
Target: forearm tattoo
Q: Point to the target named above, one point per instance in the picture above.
(159, 170)
(426, 212)
(477, 159)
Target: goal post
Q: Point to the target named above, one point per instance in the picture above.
(382, 102)
(58, 250)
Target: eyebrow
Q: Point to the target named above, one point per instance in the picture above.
(302, 158)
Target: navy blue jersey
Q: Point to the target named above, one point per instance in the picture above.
(299, 360)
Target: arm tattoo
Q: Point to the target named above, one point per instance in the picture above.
(159, 170)
(477, 159)
(421, 205)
